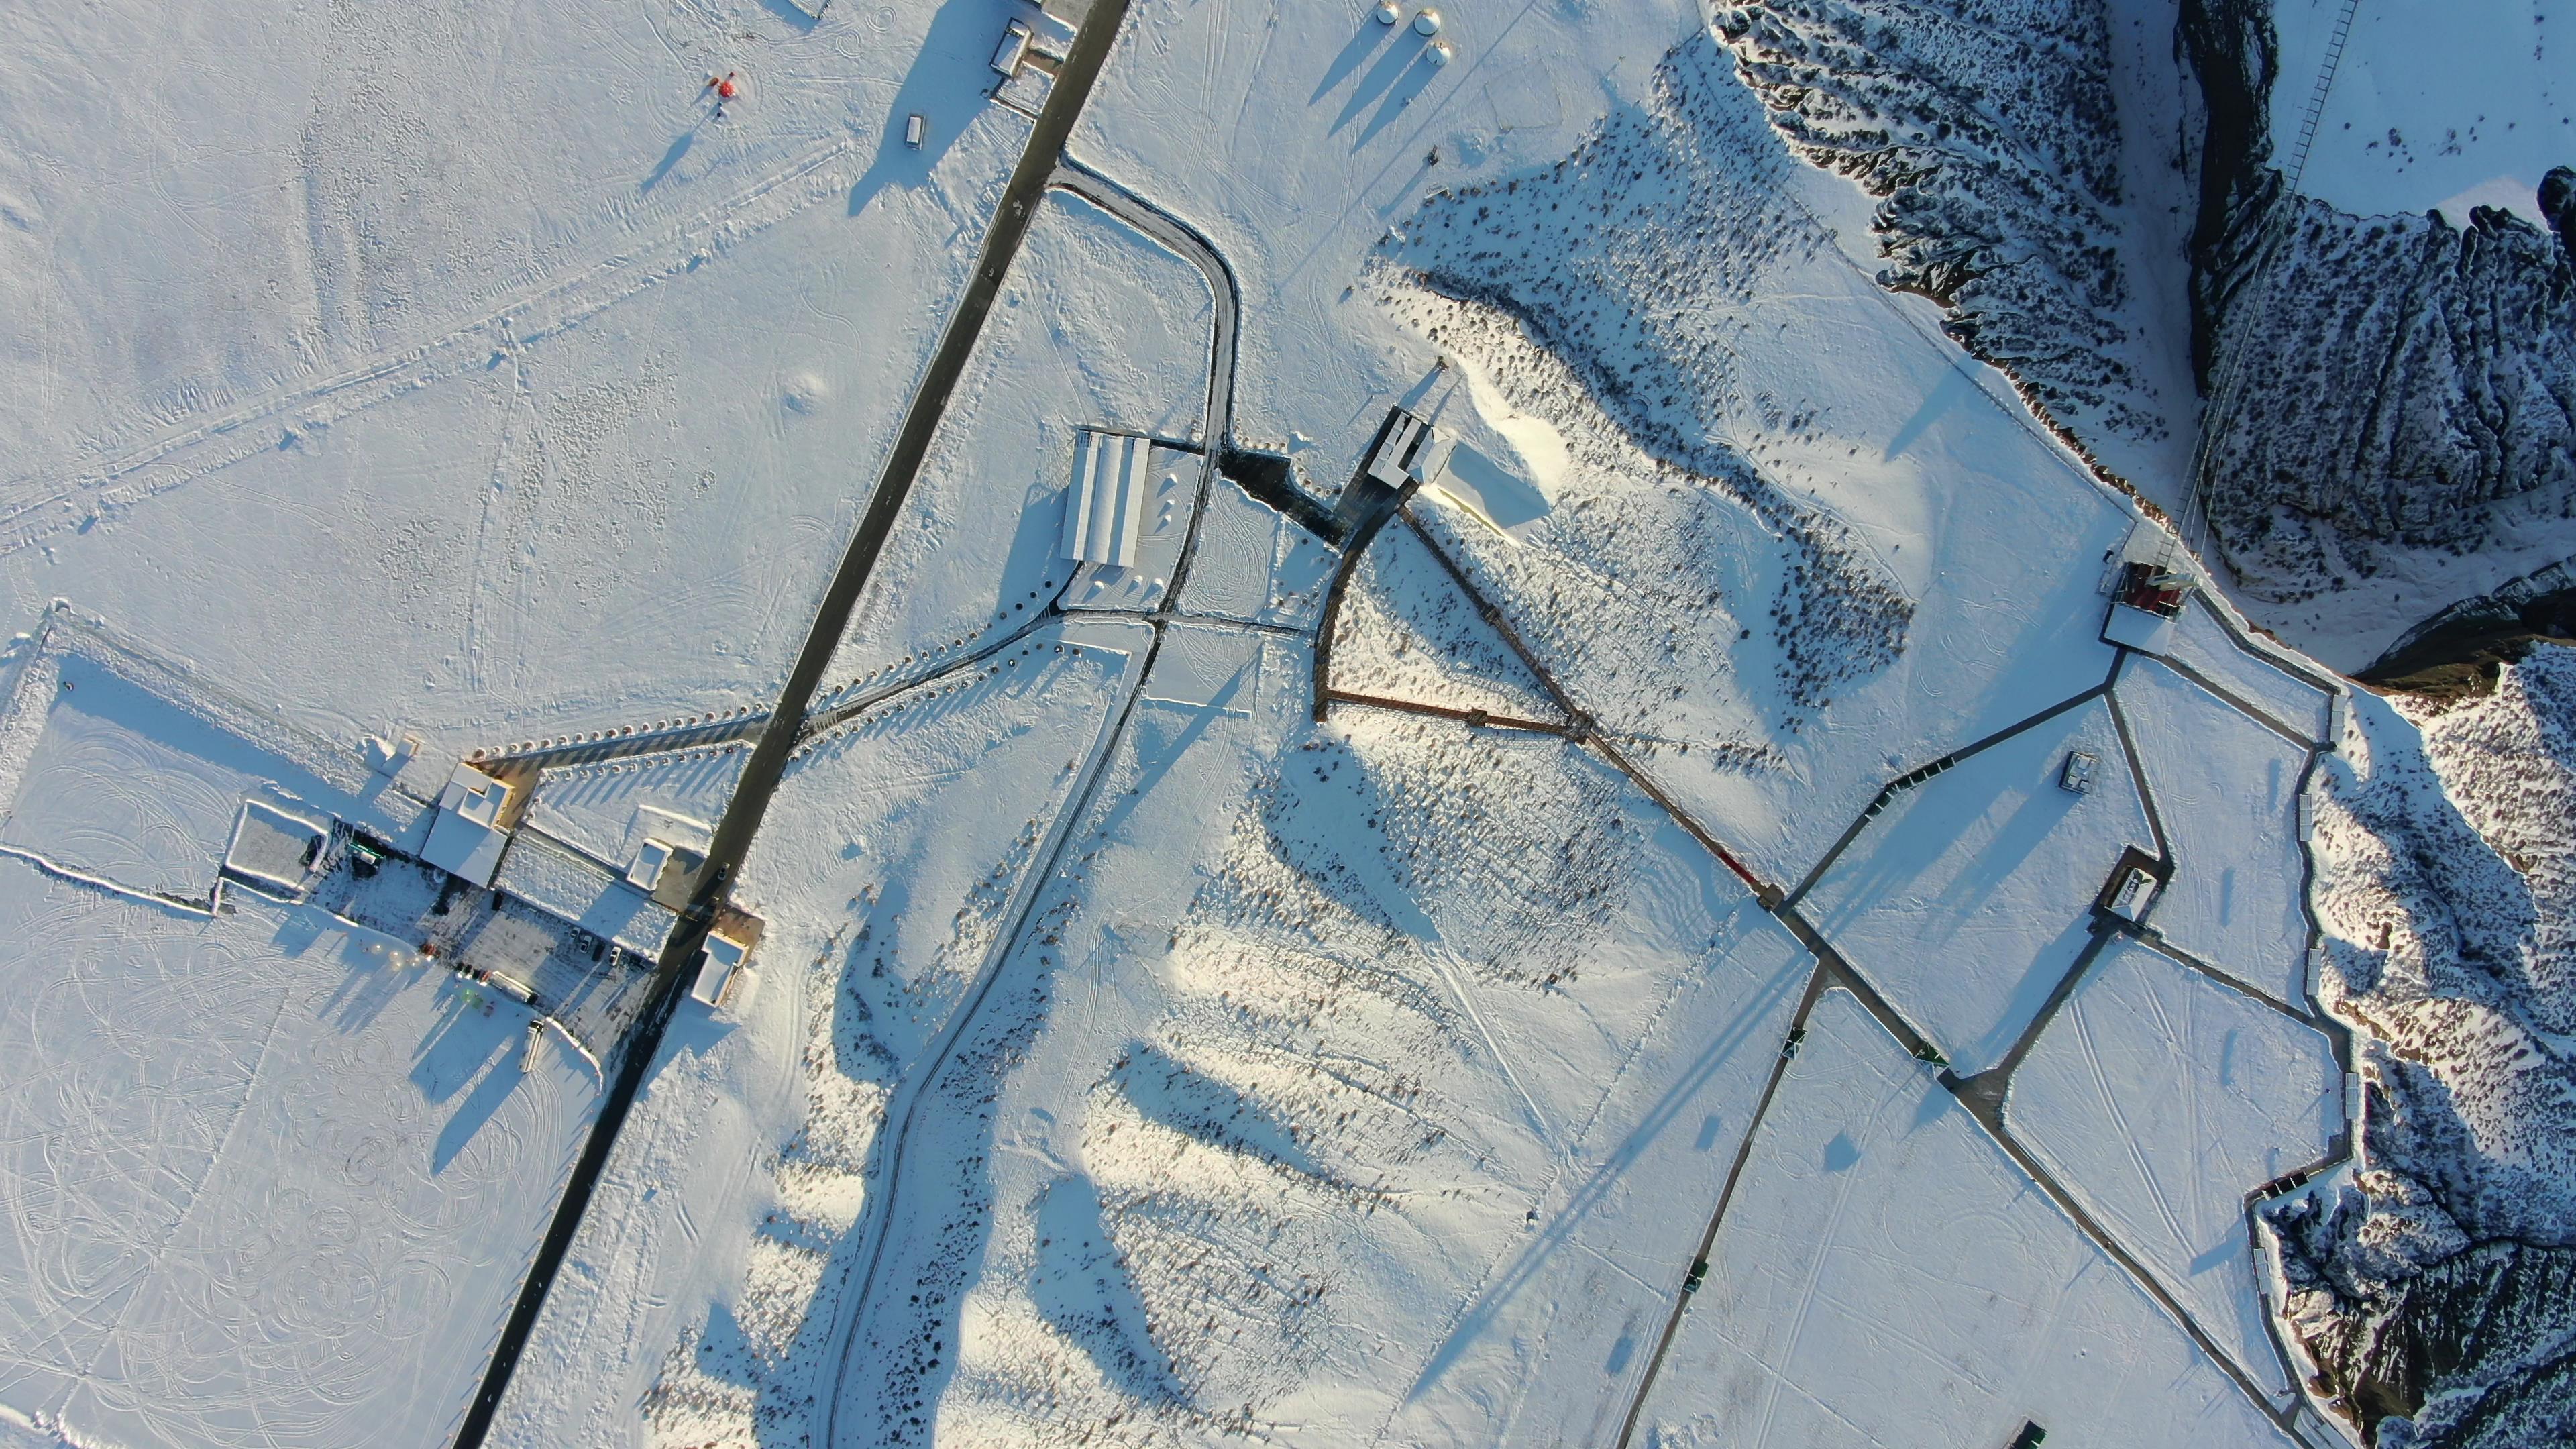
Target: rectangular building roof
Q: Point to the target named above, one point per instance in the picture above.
(1104, 511)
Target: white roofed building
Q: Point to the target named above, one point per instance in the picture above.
(468, 836)
(1104, 511)
(715, 971)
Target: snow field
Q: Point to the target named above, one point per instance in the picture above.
(1096, 326)
(1788, 477)
(1253, 565)
(1969, 898)
(126, 786)
(129, 769)
(265, 1189)
(528, 505)
(2226, 790)
(2430, 106)
(1551, 1345)
(891, 856)
(1885, 1274)
(970, 1163)
(385, 179)
(2205, 647)
(2160, 1098)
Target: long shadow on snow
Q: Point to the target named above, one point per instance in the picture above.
(1082, 1287)
(1170, 1091)
(1724, 1047)
(945, 87)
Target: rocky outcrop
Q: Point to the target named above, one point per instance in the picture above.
(2431, 1285)
(2382, 387)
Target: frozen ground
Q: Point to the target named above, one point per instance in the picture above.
(251, 1168)
(1136, 1052)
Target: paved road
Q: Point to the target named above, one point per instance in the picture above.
(778, 737)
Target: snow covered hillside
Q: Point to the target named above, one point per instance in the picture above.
(2430, 1282)
(1150, 723)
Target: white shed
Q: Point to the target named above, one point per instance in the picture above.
(724, 957)
(467, 837)
(1104, 510)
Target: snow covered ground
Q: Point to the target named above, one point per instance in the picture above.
(2427, 105)
(263, 1186)
(2162, 1097)
(479, 382)
(1133, 1052)
(1886, 1276)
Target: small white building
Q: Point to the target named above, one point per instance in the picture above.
(645, 874)
(1014, 47)
(717, 969)
(1402, 451)
(467, 838)
(1104, 510)
(2132, 894)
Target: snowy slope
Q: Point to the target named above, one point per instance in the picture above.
(2443, 876)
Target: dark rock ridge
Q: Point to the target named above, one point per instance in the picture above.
(2459, 650)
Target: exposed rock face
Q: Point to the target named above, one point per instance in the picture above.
(2387, 395)
(2384, 386)
(2434, 1287)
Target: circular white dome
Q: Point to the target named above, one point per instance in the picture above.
(1428, 22)
(1388, 12)
(1439, 52)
